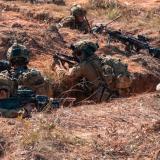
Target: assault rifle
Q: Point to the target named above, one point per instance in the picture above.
(65, 58)
(4, 65)
(25, 96)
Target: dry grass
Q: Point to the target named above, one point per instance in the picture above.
(105, 4)
(121, 129)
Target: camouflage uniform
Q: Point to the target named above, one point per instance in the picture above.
(27, 78)
(102, 77)
(72, 21)
(8, 84)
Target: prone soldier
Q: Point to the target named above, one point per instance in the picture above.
(77, 20)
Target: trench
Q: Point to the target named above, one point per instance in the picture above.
(143, 82)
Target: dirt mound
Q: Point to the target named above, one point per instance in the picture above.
(121, 129)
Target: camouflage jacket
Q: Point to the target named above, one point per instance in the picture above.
(85, 70)
(71, 23)
(93, 69)
(31, 79)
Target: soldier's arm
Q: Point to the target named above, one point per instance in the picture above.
(66, 22)
(73, 75)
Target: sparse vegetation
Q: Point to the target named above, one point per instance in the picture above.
(105, 4)
(121, 129)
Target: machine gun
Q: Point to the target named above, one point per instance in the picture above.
(25, 96)
(133, 43)
(4, 65)
(65, 58)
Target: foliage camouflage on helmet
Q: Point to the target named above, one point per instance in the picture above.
(32, 79)
(17, 51)
(6, 83)
(77, 10)
(85, 46)
(118, 70)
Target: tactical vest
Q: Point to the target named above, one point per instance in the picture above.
(113, 72)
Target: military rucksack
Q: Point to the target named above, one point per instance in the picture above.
(33, 79)
(115, 72)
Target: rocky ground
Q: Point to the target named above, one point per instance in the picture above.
(126, 128)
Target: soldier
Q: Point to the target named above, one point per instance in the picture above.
(77, 20)
(18, 56)
(103, 75)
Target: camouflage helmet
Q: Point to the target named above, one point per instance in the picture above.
(77, 10)
(6, 83)
(17, 51)
(85, 46)
(32, 79)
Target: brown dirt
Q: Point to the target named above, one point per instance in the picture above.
(148, 4)
(121, 129)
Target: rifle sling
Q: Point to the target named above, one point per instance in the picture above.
(99, 74)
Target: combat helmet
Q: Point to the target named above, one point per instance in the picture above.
(18, 52)
(77, 10)
(85, 46)
(6, 83)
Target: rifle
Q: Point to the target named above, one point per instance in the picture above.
(4, 65)
(25, 96)
(65, 58)
(133, 43)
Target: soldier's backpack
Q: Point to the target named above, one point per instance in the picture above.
(34, 80)
(115, 72)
